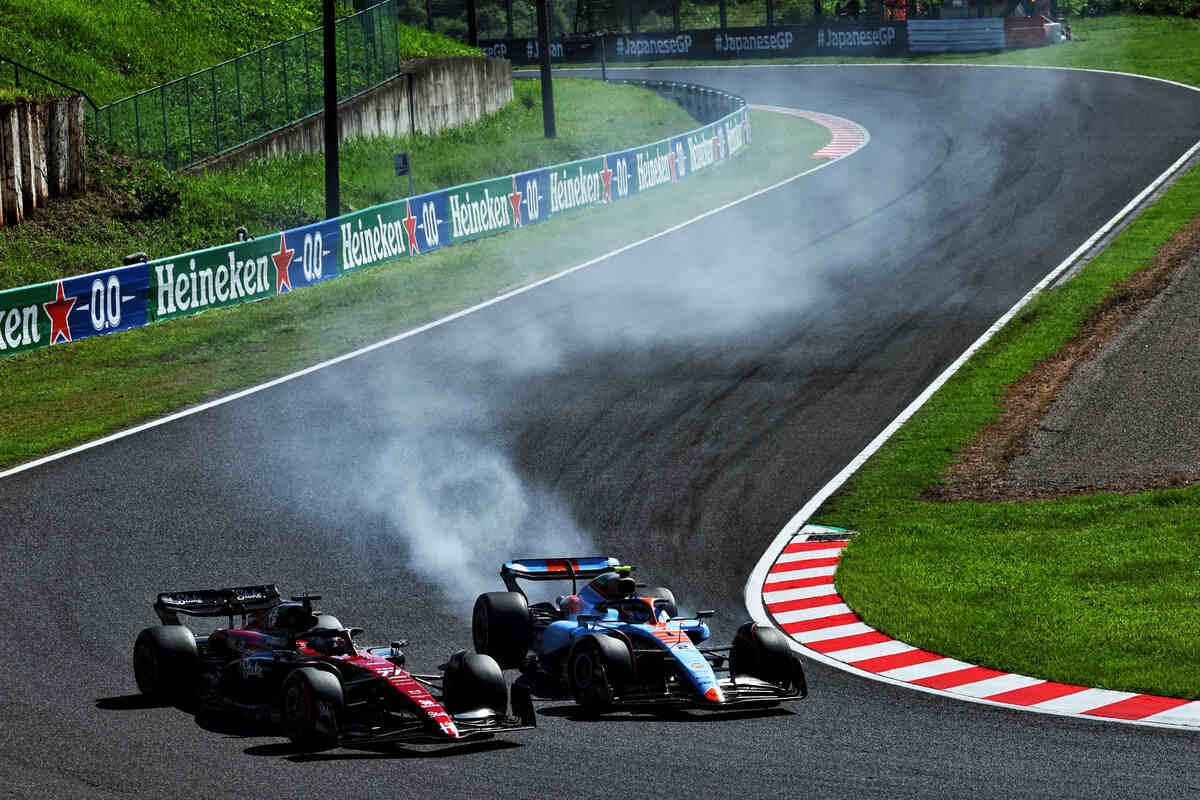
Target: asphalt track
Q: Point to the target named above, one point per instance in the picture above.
(673, 406)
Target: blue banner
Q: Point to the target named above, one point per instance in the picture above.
(307, 255)
(104, 302)
(427, 220)
(534, 190)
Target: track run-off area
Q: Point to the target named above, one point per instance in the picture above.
(673, 406)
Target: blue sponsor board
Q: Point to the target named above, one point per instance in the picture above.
(679, 154)
(534, 190)
(106, 302)
(427, 220)
(308, 255)
(624, 178)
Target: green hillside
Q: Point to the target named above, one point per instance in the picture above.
(113, 48)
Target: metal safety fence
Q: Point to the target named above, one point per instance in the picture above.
(199, 115)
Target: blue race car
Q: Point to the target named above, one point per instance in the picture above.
(612, 643)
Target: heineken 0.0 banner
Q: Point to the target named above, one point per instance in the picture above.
(72, 308)
(105, 302)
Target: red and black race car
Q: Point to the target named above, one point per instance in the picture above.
(302, 669)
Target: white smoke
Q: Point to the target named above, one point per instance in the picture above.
(461, 509)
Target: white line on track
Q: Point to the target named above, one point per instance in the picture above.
(428, 326)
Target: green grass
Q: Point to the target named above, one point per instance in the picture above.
(112, 48)
(61, 396)
(1098, 590)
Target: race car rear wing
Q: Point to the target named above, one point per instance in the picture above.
(555, 569)
(215, 602)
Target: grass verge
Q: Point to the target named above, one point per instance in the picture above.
(1098, 590)
(61, 396)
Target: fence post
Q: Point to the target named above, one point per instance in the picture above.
(76, 141)
(58, 135)
(346, 63)
(287, 104)
(137, 125)
(262, 91)
(307, 86)
(14, 208)
(367, 61)
(237, 75)
(216, 123)
(187, 88)
(162, 102)
(26, 153)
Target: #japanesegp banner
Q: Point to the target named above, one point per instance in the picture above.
(72, 308)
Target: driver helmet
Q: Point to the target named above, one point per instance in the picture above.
(291, 617)
(613, 586)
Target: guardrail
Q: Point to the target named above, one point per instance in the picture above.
(98, 303)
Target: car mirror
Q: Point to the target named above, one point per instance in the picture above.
(705, 614)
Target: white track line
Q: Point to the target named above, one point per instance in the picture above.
(754, 585)
(196, 409)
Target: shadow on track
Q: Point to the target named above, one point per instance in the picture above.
(289, 752)
(577, 714)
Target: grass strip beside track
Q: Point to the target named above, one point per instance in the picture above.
(62, 396)
(1099, 590)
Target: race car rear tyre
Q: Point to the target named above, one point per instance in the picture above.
(471, 681)
(311, 704)
(165, 662)
(502, 628)
(659, 592)
(588, 676)
(761, 652)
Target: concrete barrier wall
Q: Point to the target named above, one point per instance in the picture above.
(431, 95)
(41, 154)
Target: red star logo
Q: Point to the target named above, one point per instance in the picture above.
(606, 176)
(515, 200)
(282, 259)
(58, 310)
(671, 162)
(410, 225)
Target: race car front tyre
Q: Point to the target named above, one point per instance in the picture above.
(588, 676)
(761, 652)
(165, 661)
(472, 681)
(311, 704)
(502, 628)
